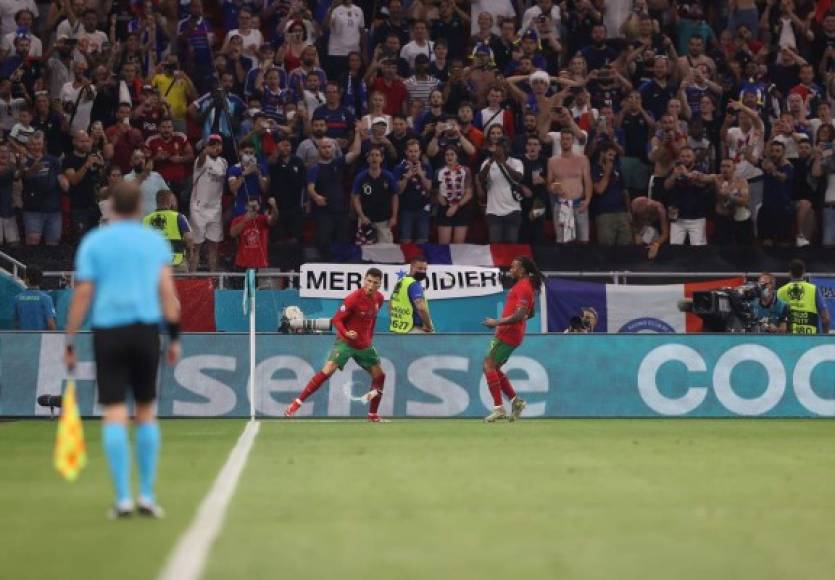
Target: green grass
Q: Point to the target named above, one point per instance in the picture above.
(448, 499)
(53, 529)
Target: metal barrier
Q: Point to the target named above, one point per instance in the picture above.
(15, 267)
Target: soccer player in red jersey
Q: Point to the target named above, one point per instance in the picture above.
(354, 324)
(510, 331)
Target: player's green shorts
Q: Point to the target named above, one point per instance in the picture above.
(341, 353)
(499, 351)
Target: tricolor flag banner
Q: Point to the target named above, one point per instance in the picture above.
(496, 255)
(626, 307)
(70, 449)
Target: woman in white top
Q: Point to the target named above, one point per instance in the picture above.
(252, 37)
(376, 105)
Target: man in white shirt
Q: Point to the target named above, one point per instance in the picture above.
(10, 106)
(420, 44)
(71, 25)
(77, 97)
(9, 10)
(346, 24)
(206, 211)
(504, 212)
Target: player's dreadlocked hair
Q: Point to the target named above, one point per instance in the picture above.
(533, 272)
(535, 276)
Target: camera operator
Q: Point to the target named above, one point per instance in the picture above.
(770, 313)
(220, 111)
(83, 169)
(583, 324)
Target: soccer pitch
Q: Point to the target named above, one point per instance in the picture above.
(445, 499)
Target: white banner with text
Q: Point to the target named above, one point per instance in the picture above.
(442, 281)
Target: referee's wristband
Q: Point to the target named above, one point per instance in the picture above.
(174, 330)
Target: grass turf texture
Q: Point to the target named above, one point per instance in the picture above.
(448, 499)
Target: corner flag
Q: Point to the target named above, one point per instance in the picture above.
(70, 449)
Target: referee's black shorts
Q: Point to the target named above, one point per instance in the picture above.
(127, 357)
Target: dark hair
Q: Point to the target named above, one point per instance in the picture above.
(797, 268)
(374, 273)
(419, 259)
(126, 198)
(533, 271)
(34, 275)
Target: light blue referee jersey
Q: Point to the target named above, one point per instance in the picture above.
(124, 261)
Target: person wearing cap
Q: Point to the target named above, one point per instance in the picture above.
(205, 208)
(482, 74)
(421, 84)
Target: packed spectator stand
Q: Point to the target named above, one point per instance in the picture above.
(256, 129)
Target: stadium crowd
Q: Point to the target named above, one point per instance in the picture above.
(605, 121)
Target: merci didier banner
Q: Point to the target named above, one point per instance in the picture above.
(442, 281)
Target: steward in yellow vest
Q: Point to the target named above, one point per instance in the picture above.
(408, 306)
(173, 226)
(807, 310)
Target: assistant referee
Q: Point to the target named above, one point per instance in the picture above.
(123, 274)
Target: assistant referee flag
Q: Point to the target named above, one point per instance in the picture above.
(70, 449)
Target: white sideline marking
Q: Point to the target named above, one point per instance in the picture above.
(188, 559)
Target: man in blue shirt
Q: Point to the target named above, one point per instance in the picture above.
(247, 179)
(771, 313)
(33, 309)
(339, 119)
(124, 277)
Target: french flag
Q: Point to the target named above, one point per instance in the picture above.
(492, 255)
(627, 308)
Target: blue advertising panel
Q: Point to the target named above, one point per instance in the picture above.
(440, 376)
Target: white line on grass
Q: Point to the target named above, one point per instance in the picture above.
(188, 559)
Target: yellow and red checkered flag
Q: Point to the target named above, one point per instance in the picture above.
(70, 449)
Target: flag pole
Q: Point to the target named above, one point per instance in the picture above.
(250, 297)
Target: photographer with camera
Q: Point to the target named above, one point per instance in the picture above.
(83, 169)
(220, 112)
(770, 313)
(583, 324)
